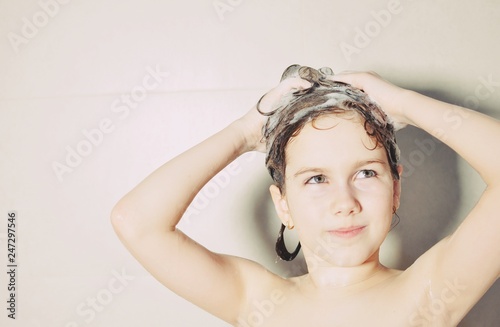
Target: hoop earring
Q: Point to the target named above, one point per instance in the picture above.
(397, 218)
(281, 249)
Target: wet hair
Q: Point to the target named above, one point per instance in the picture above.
(324, 97)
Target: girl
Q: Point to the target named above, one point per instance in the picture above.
(332, 155)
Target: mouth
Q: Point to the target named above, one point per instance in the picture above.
(347, 232)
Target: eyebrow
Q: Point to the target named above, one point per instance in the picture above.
(372, 161)
(308, 170)
(356, 165)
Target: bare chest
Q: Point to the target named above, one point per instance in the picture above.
(381, 307)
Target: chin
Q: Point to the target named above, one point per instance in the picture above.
(352, 258)
(348, 262)
(341, 256)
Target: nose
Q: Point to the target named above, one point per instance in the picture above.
(345, 202)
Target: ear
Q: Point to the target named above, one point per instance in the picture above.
(281, 205)
(397, 188)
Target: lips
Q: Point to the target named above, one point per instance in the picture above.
(347, 232)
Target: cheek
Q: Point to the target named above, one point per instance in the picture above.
(378, 197)
(377, 208)
(307, 209)
(307, 214)
(376, 192)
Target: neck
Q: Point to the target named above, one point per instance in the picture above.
(325, 275)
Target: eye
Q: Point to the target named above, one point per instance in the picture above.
(367, 173)
(318, 179)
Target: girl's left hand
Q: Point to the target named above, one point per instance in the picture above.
(388, 96)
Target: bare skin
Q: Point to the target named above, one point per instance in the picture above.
(346, 284)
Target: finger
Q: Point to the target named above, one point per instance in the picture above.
(267, 102)
(348, 74)
(350, 77)
(303, 84)
(296, 83)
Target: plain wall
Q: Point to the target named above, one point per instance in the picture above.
(68, 70)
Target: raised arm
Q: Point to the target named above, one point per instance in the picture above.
(469, 259)
(145, 220)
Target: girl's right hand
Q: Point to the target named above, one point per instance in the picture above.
(252, 122)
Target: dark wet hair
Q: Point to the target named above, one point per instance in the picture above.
(324, 97)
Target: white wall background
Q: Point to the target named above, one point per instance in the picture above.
(65, 70)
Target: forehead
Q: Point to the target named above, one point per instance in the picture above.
(332, 139)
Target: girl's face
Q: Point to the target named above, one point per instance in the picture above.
(339, 192)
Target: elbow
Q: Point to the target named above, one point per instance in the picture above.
(131, 225)
(121, 222)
